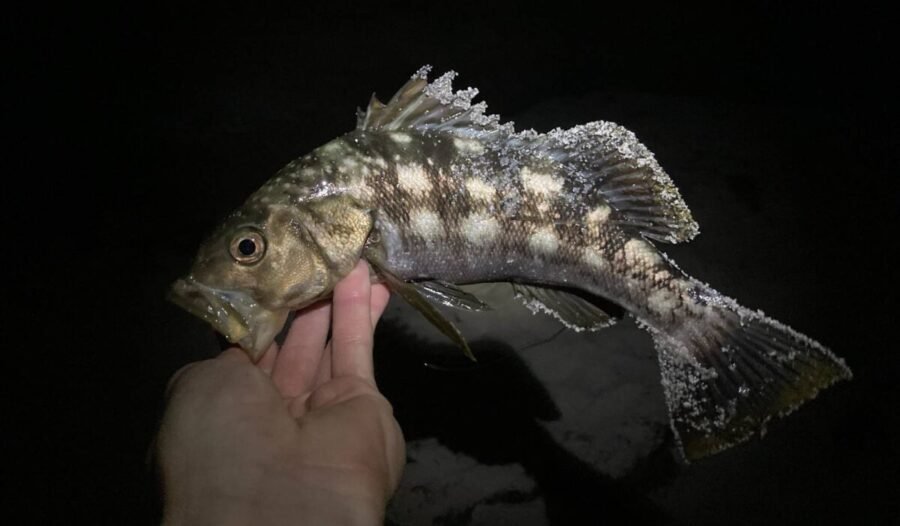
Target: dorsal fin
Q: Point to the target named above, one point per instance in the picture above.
(433, 107)
(625, 174)
(607, 162)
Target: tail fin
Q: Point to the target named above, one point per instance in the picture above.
(727, 372)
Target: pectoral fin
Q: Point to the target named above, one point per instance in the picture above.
(413, 295)
(573, 311)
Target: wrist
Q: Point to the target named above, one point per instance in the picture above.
(309, 498)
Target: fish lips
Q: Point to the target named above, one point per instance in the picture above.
(235, 314)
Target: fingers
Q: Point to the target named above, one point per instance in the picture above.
(379, 300)
(177, 377)
(300, 356)
(352, 325)
(324, 373)
(233, 354)
(267, 362)
(302, 365)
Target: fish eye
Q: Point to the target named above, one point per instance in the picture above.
(248, 247)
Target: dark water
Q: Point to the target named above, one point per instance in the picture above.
(777, 125)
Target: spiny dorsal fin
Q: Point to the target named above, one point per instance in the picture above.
(622, 172)
(625, 174)
(433, 107)
(375, 106)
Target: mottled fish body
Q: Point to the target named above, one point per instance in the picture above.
(433, 192)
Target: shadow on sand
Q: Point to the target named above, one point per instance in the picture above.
(490, 411)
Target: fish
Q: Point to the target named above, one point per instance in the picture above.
(435, 193)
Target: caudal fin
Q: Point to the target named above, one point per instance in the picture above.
(729, 370)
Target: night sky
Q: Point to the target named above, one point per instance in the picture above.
(133, 130)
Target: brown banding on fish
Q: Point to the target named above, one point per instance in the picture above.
(433, 193)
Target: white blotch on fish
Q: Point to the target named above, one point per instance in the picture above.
(594, 258)
(637, 251)
(480, 228)
(599, 215)
(468, 146)
(542, 184)
(480, 190)
(544, 241)
(413, 179)
(426, 224)
(400, 138)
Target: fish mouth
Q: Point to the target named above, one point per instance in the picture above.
(233, 313)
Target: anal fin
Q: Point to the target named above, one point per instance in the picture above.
(572, 311)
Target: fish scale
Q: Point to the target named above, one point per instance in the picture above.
(433, 193)
(451, 245)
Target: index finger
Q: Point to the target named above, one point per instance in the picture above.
(351, 325)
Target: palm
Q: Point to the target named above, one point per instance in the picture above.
(309, 415)
(331, 393)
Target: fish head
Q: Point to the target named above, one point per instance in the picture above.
(264, 262)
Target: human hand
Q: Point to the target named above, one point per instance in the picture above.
(303, 438)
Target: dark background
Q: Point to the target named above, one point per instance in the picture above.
(133, 130)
